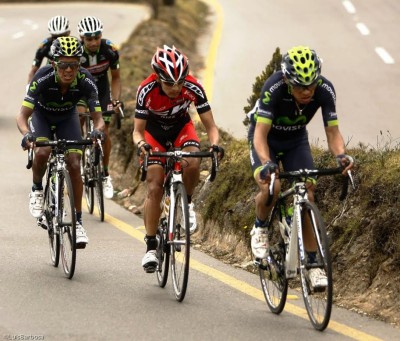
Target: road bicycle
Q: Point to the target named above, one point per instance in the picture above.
(59, 217)
(287, 256)
(93, 170)
(173, 234)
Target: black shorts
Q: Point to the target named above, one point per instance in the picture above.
(66, 127)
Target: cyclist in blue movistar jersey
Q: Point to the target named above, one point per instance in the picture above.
(58, 26)
(289, 100)
(99, 56)
(51, 101)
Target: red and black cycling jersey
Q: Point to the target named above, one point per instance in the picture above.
(43, 51)
(107, 57)
(44, 93)
(163, 113)
(278, 107)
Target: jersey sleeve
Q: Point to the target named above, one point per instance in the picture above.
(200, 98)
(328, 106)
(113, 55)
(143, 91)
(268, 98)
(89, 91)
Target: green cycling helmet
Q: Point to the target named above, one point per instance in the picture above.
(301, 66)
(66, 47)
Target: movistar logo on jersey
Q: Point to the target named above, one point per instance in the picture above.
(266, 98)
(33, 87)
(284, 120)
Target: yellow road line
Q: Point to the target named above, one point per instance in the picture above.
(241, 286)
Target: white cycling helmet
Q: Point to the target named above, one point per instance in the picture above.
(90, 27)
(58, 25)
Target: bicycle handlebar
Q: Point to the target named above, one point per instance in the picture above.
(60, 144)
(179, 154)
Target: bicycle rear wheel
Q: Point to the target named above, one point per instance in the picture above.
(66, 218)
(54, 239)
(272, 272)
(162, 253)
(88, 182)
(180, 243)
(99, 176)
(318, 301)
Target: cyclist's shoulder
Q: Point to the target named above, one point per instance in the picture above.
(44, 73)
(275, 81)
(108, 47)
(325, 88)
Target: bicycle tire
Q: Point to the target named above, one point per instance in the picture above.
(99, 176)
(180, 242)
(54, 239)
(66, 218)
(88, 178)
(318, 301)
(272, 270)
(162, 253)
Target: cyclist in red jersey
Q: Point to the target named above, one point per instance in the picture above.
(161, 117)
(58, 26)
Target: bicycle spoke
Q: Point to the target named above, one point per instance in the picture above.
(162, 253)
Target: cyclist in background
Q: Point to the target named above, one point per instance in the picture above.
(58, 26)
(51, 101)
(99, 56)
(289, 100)
(162, 115)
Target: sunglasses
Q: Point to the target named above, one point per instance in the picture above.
(310, 87)
(65, 65)
(172, 84)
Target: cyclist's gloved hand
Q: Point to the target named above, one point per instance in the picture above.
(97, 134)
(115, 103)
(219, 150)
(344, 160)
(27, 137)
(268, 168)
(143, 147)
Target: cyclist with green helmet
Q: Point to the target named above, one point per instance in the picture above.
(51, 102)
(289, 100)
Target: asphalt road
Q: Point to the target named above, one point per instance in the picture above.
(110, 297)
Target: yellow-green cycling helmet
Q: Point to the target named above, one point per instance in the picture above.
(66, 47)
(301, 66)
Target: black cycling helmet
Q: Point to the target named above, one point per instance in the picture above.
(301, 66)
(170, 64)
(66, 47)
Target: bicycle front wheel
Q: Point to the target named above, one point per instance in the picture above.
(180, 243)
(99, 176)
(162, 253)
(49, 207)
(66, 218)
(88, 182)
(318, 300)
(272, 272)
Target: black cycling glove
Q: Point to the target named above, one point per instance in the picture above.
(27, 137)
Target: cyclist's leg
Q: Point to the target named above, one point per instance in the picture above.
(188, 140)
(106, 107)
(152, 205)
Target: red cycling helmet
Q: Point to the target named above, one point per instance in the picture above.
(170, 64)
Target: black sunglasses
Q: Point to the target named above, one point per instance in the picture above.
(172, 84)
(65, 65)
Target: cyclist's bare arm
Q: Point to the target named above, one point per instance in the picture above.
(260, 141)
(138, 132)
(98, 122)
(207, 119)
(336, 145)
(116, 87)
(22, 119)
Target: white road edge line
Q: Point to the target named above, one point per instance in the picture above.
(349, 6)
(364, 30)
(18, 35)
(386, 57)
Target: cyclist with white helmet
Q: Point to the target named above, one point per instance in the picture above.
(51, 101)
(58, 26)
(289, 100)
(99, 56)
(162, 116)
